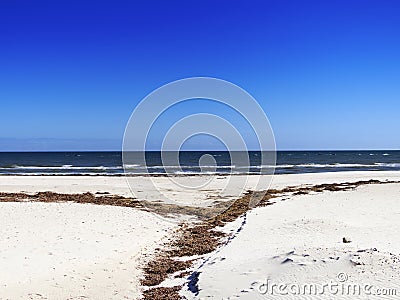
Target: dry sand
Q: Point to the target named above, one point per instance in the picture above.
(47, 252)
(74, 251)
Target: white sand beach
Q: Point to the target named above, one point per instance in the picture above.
(85, 251)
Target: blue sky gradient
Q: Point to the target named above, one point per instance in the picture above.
(327, 73)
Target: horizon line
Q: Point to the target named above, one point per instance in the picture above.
(195, 150)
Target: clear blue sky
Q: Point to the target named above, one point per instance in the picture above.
(327, 73)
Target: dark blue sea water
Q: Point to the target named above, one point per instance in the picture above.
(110, 163)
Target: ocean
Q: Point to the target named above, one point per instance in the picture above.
(110, 163)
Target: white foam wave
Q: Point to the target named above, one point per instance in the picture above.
(389, 165)
(138, 169)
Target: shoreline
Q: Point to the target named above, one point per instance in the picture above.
(392, 167)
